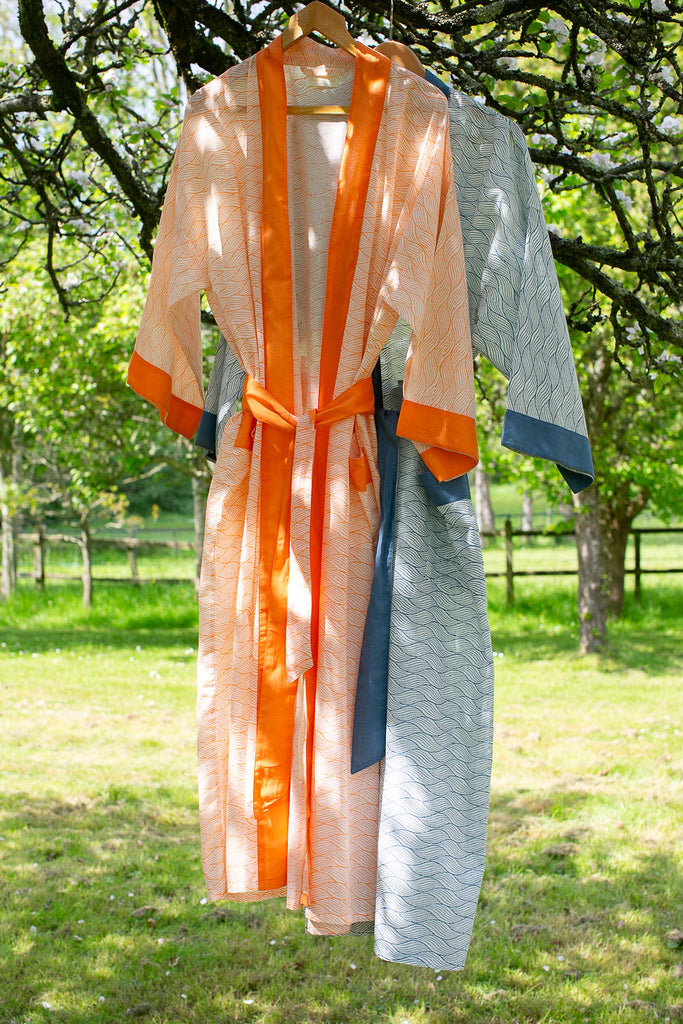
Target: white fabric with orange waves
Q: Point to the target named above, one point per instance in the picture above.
(410, 264)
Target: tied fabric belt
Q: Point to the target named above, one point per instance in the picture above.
(291, 506)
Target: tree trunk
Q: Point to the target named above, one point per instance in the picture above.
(9, 489)
(527, 512)
(8, 577)
(591, 598)
(39, 558)
(86, 554)
(616, 519)
(615, 533)
(482, 502)
(199, 513)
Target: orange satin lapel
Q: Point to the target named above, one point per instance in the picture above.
(365, 115)
(277, 694)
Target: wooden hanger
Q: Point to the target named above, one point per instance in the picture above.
(318, 17)
(402, 55)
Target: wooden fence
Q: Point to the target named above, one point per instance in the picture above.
(40, 541)
(638, 570)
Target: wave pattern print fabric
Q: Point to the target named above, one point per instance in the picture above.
(517, 316)
(434, 803)
(401, 250)
(517, 319)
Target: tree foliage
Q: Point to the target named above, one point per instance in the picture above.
(89, 117)
(598, 91)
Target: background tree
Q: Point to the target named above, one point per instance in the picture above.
(88, 123)
(75, 434)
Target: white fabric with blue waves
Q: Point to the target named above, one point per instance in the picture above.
(435, 791)
(516, 313)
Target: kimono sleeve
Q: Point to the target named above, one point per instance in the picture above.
(517, 315)
(427, 288)
(166, 366)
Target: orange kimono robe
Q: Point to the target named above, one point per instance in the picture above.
(310, 237)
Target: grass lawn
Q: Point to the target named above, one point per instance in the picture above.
(104, 917)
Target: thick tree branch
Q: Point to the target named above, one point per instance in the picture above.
(68, 96)
(667, 330)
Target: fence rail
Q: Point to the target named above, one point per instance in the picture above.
(509, 573)
(40, 540)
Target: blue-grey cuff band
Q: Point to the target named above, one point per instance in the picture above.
(206, 434)
(567, 449)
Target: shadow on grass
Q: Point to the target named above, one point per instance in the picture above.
(104, 921)
(629, 647)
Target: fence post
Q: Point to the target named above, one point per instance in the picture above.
(510, 592)
(133, 557)
(636, 544)
(39, 557)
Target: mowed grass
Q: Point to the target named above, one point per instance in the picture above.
(104, 916)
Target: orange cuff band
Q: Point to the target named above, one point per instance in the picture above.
(154, 384)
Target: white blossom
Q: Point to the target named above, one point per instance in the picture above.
(596, 54)
(670, 125)
(537, 139)
(508, 62)
(659, 7)
(668, 357)
(559, 29)
(625, 200)
(665, 74)
(601, 160)
(554, 229)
